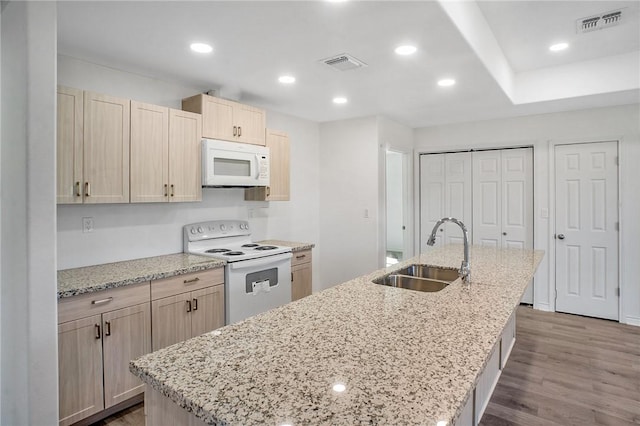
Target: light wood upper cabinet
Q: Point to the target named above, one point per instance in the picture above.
(279, 167)
(69, 146)
(228, 120)
(106, 149)
(301, 275)
(185, 176)
(149, 152)
(80, 369)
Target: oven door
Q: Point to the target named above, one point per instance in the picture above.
(257, 285)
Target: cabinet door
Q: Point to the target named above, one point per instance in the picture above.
(126, 336)
(171, 318)
(301, 281)
(487, 198)
(149, 153)
(432, 189)
(457, 195)
(106, 149)
(250, 122)
(185, 177)
(207, 309)
(79, 369)
(517, 198)
(278, 143)
(217, 116)
(69, 146)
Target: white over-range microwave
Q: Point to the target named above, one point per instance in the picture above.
(232, 164)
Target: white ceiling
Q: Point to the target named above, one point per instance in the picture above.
(255, 42)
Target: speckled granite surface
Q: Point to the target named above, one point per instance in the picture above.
(72, 282)
(294, 246)
(405, 357)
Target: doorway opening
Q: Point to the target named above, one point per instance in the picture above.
(396, 207)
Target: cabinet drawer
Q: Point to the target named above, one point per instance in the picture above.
(187, 282)
(301, 257)
(84, 305)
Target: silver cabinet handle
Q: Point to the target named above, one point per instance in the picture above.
(97, 331)
(195, 304)
(192, 280)
(87, 189)
(188, 305)
(561, 236)
(107, 328)
(101, 301)
(172, 191)
(239, 131)
(301, 256)
(78, 193)
(165, 190)
(235, 131)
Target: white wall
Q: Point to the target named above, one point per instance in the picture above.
(28, 287)
(394, 201)
(348, 188)
(543, 132)
(126, 231)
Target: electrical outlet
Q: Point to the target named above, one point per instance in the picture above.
(87, 224)
(366, 213)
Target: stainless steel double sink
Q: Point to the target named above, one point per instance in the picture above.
(419, 278)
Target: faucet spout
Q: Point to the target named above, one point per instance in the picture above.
(465, 268)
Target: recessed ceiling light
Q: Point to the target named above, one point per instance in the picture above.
(339, 100)
(406, 50)
(287, 79)
(445, 82)
(558, 47)
(201, 47)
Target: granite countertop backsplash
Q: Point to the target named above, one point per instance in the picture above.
(72, 282)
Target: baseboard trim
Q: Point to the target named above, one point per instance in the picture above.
(632, 320)
(542, 307)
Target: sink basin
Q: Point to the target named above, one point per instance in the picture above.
(432, 272)
(411, 283)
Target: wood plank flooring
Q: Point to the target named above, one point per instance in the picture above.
(568, 370)
(564, 370)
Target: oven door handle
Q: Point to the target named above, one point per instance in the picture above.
(263, 261)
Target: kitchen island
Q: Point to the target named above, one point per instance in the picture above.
(397, 356)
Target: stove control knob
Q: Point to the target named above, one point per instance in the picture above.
(223, 227)
(199, 229)
(241, 226)
(193, 230)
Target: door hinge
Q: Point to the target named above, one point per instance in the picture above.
(556, 294)
(618, 291)
(617, 161)
(617, 226)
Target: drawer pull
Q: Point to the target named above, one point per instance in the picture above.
(78, 193)
(188, 305)
(195, 304)
(301, 256)
(97, 331)
(107, 328)
(101, 301)
(192, 280)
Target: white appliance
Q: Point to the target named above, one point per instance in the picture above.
(257, 277)
(233, 164)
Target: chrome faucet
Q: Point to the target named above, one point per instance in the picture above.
(465, 269)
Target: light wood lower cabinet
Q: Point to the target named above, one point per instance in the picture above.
(301, 275)
(95, 344)
(186, 306)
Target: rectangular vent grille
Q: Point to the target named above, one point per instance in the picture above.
(599, 22)
(344, 62)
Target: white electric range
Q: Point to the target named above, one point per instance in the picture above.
(257, 276)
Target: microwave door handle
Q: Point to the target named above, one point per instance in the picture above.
(257, 166)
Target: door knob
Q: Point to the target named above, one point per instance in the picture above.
(504, 233)
(561, 236)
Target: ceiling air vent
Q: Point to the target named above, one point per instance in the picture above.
(599, 22)
(344, 62)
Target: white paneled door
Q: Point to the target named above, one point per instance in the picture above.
(503, 200)
(586, 187)
(445, 191)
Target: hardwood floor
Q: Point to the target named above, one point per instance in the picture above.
(568, 370)
(564, 370)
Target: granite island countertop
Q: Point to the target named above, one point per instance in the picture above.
(72, 282)
(404, 357)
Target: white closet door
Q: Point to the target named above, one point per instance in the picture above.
(517, 198)
(432, 199)
(487, 192)
(457, 195)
